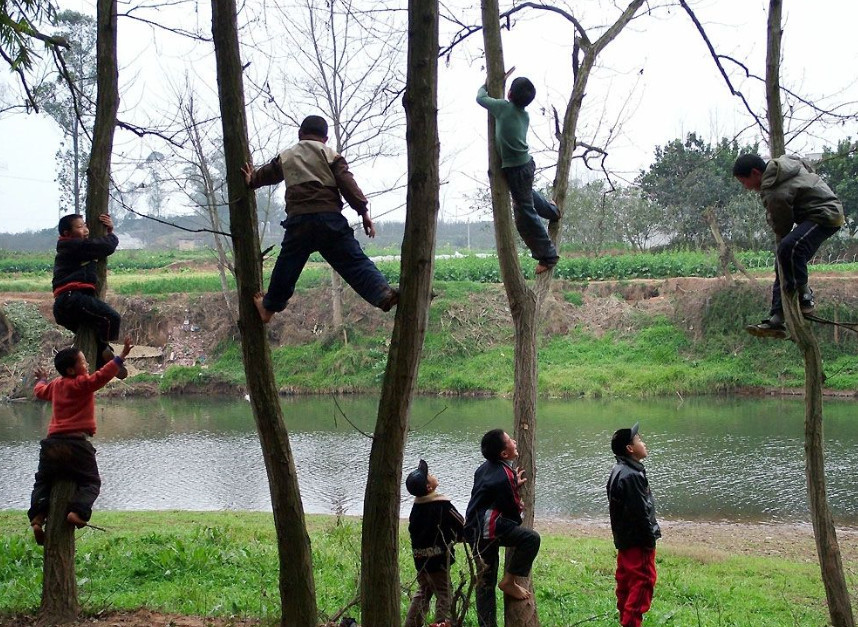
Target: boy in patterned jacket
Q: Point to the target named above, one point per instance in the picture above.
(317, 179)
(66, 452)
(493, 519)
(434, 526)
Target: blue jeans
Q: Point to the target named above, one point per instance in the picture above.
(794, 251)
(528, 207)
(330, 235)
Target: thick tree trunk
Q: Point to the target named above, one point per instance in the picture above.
(59, 586)
(59, 583)
(523, 307)
(380, 589)
(98, 171)
(297, 587)
(824, 531)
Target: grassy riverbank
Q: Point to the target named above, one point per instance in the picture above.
(648, 332)
(225, 564)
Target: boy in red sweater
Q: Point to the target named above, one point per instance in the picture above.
(66, 453)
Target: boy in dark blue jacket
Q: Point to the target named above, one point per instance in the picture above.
(633, 525)
(434, 526)
(75, 283)
(493, 519)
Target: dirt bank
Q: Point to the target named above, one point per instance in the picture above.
(186, 329)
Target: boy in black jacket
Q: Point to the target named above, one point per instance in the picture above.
(75, 281)
(633, 525)
(493, 519)
(434, 525)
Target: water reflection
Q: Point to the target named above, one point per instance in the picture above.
(712, 459)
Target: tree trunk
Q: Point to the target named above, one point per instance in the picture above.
(59, 583)
(337, 302)
(380, 588)
(824, 531)
(297, 587)
(523, 307)
(59, 588)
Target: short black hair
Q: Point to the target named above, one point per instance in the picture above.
(66, 359)
(745, 163)
(493, 444)
(522, 92)
(66, 222)
(314, 125)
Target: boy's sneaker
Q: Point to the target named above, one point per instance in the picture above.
(806, 302)
(773, 327)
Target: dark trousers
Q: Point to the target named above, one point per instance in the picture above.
(79, 308)
(435, 584)
(635, 584)
(525, 544)
(795, 250)
(71, 458)
(330, 235)
(528, 206)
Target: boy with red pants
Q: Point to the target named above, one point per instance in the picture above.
(633, 525)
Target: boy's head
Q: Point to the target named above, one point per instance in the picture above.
(497, 446)
(71, 362)
(627, 443)
(73, 225)
(748, 170)
(419, 482)
(521, 92)
(315, 126)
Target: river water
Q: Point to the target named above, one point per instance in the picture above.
(710, 459)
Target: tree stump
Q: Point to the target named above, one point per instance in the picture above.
(59, 584)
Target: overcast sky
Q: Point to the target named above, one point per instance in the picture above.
(654, 83)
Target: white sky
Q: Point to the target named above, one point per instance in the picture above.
(657, 78)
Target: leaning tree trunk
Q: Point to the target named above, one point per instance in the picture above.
(380, 589)
(59, 583)
(824, 531)
(523, 307)
(59, 589)
(297, 587)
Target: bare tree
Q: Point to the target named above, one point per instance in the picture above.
(297, 586)
(380, 589)
(824, 531)
(59, 591)
(525, 303)
(343, 62)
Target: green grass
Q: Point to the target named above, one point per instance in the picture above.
(225, 564)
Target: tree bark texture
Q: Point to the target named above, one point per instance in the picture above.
(380, 587)
(824, 531)
(98, 171)
(297, 587)
(59, 583)
(523, 307)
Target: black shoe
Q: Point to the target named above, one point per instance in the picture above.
(773, 327)
(806, 302)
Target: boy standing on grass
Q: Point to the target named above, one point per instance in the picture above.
(66, 452)
(75, 280)
(493, 520)
(633, 525)
(317, 179)
(511, 124)
(434, 526)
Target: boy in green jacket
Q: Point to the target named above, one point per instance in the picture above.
(803, 212)
(511, 123)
